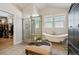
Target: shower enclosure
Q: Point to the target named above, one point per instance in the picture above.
(32, 29)
(26, 29)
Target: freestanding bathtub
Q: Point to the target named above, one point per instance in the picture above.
(55, 38)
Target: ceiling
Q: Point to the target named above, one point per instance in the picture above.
(40, 6)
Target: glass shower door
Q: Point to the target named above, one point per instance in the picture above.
(26, 30)
(36, 28)
(32, 29)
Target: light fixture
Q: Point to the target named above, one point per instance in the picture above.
(35, 11)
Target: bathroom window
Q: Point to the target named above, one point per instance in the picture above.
(48, 22)
(54, 21)
(59, 21)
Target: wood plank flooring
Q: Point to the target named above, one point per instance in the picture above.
(5, 43)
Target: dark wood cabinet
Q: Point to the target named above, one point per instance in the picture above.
(73, 29)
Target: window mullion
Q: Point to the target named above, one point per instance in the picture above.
(53, 22)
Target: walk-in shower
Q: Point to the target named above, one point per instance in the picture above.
(32, 28)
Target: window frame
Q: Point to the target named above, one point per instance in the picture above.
(53, 24)
(48, 22)
(63, 21)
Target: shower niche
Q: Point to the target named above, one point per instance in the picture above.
(32, 29)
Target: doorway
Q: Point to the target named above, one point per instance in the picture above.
(6, 30)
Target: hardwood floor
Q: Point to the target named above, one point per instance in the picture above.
(7, 48)
(5, 43)
(19, 49)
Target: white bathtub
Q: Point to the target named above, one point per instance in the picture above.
(55, 38)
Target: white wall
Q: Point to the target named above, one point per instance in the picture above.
(17, 18)
(27, 12)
